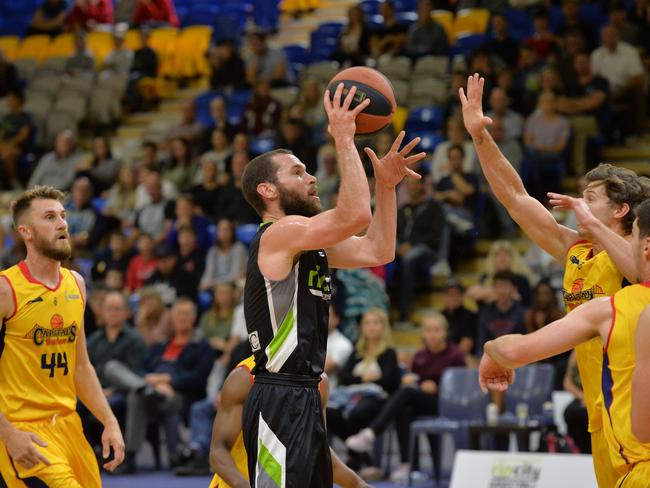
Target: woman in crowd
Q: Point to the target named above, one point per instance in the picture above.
(227, 259)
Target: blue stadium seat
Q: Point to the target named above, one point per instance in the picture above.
(429, 140)
(261, 145)
(406, 18)
(555, 18)
(296, 53)
(520, 24)
(212, 232)
(533, 386)
(370, 7)
(330, 29)
(226, 27)
(374, 21)
(591, 13)
(405, 5)
(245, 233)
(429, 118)
(467, 44)
(99, 203)
(205, 300)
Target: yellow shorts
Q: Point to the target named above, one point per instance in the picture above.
(606, 475)
(637, 477)
(72, 460)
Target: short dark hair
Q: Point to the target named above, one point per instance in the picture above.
(261, 169)
(505, 275)
(24, 201)
(18, 93)
(456, 147)
(642, 213)
(622, 186)
(150, 144)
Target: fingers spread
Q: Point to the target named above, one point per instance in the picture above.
(409, 147)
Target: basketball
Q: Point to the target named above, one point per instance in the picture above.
(370, 84)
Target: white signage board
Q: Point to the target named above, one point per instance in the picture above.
(492, 469)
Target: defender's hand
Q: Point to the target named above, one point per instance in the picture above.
(394, 166)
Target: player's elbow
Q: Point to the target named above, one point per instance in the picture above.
(355, 221)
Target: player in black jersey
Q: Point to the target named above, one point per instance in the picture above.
(288, 288)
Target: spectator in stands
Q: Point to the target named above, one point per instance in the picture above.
(241, 143)
(391, 36)
(85, 224)
(152, 319)
(186, 215)
(170, 279)
(513, 123)
(227, 66)
(352, 45)
(15, 134)
(219, 120)
(502, 45)
(572, 21)
(145, 65)
(120, 201)
(176, 376)
(116, 256)
(49, 19)
(511, 148)
(216, 322)
(455, 135)
(142, 196)
(545, 138)
(226, 260)
(82, 61)
(191, 258)
(527, 78)
(190, 128)
(419, 394)
(120, 60)
(311, 101)
(503, 316)
(119, 341)
(142, 265)
(629, 31)
(370, 374)
(181, 168)
(156, 13)
(422, 242)
(327, 175)
(620, 64)
(562, 60)
(294, 136)
(502, 257)
(481, 62)
(100, 166)
(457, 192)
(88, 15)
(426, 36)
(462, 322)
(586, 103)
(545, 308)
(339, 347)
(9, 81)
(219, 151)
(575, 414)
(57, 168)
(232, 204)
(12, 252)
(543, 41)
(207, 192)
(155, 218)
(262, 113)
(266, 64)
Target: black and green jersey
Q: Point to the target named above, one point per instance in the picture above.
(287, 319)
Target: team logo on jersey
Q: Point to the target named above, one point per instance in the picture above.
(577, 285)
(54, 335)
(578, 295)
(319, 284)
(35, 300)
(576, 261)
(254, 340)
(70, 296)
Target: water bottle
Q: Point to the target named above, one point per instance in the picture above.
(492, 414)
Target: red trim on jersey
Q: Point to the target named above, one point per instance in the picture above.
(645, 283)
(13, 294)
(611, 327)
(250, 372)
(28, 276)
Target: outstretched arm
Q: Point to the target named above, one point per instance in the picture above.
(617, 247)
(641, 379)
(511, 351)
(378, 245)
(530, 215)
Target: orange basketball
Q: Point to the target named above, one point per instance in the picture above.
(371, 84)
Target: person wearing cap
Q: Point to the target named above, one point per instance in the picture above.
(170, 279)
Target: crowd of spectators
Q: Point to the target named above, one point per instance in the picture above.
(161, 238)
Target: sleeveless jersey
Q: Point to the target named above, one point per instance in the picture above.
(38, 346)
(619, 361)
(238, 451)
(287, 319)
(587, 277)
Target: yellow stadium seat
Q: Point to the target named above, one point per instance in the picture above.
(471, 20)
(61, 46)
(190, 52)
(132, 40)
(163, 41)
(9, 46)
(33, 47)
(290, 6)
(399, 118)
(446, 19)
(101, 44)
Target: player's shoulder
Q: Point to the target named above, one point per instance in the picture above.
(8, 301)
(236, 386)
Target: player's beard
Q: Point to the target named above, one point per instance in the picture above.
(58, 249)
(294, 204)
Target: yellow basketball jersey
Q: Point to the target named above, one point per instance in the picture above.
(619, 361)
(238, 451)
(37, 347)
(588, 276)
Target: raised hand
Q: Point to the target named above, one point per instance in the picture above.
(583, 214)
(492, 376)
(341, 119)
(472, 105)
(394, 166)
